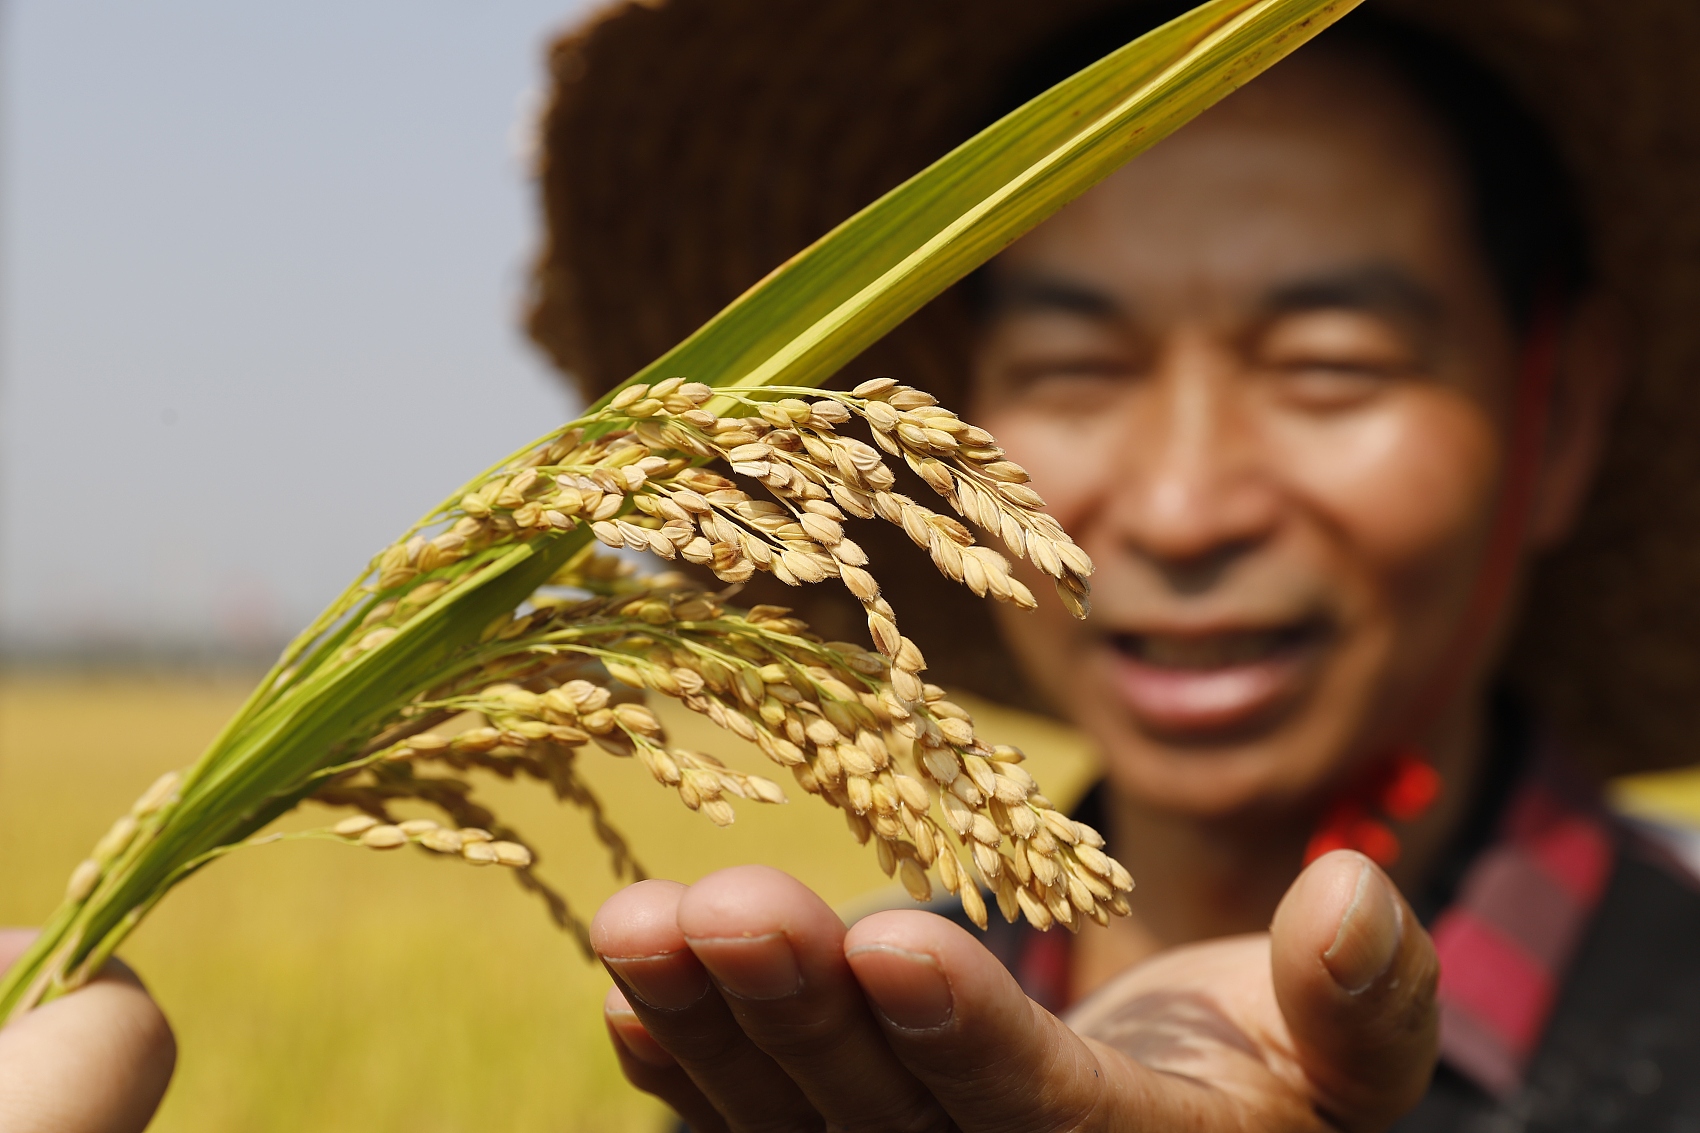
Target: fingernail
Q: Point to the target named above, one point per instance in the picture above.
(751, 967)
(1369, 934)
(630, 1033)
(908, 988)
(669, 982)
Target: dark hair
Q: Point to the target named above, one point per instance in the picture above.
(1528, 224)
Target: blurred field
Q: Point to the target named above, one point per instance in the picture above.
(1671, 797)
(316, 987)
(320, 988)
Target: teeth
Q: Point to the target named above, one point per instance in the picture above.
(1215, 652)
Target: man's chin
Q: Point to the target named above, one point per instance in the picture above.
(1261, 766)
(1244, 783)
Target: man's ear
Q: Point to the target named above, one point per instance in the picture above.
(1591, 369)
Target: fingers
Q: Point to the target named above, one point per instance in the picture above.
(636, 933)
(96, 1061)
(1355, 979)
(648, 1066)
(776, 952)
(775, 955)
(961, 1024)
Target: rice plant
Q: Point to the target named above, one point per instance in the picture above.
(494, 636)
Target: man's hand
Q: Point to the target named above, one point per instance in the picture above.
(96, 1061)
(744, 1003)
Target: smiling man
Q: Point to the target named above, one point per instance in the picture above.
(1265, 377)
(1314, 382)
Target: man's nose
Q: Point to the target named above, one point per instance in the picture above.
(1193, 491)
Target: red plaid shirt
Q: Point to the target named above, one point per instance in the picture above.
(1505, 941)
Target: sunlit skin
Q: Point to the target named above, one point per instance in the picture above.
(94, 1062)
(1263, 376)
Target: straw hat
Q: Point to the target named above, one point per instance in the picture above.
(692, 145)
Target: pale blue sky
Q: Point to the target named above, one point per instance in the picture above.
(261, 267)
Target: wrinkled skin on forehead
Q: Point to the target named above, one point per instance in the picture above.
(1262, 376)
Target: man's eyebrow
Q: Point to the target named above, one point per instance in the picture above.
(1002, 295)
(1380, 288)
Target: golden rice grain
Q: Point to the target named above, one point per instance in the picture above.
(857, 726)
(384, 837)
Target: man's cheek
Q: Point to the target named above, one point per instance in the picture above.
(1403, 487)
(1068, 461)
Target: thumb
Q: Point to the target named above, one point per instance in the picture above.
(1355, 978)
(95, 1061)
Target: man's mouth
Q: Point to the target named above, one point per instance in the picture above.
(1205, 683)
(1215, 650)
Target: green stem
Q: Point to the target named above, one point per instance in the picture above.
(794, 330)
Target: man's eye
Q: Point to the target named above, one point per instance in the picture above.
(1335, 358)
(1326, 387)
(1055, 362)
(1077, 386)
(1338, 340)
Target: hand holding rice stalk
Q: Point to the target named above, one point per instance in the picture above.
(493, 636)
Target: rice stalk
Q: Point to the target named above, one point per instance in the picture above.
(494, 638)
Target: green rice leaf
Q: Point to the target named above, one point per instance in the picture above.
(796, 328)
(844, 292)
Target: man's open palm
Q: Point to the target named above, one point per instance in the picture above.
(745, 1004)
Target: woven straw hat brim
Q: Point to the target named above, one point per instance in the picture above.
(692, 145)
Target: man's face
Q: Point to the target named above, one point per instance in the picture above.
(1261, 376)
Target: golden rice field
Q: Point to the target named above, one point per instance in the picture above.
(316, 987)
(322, 988)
